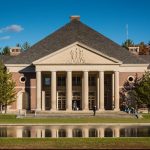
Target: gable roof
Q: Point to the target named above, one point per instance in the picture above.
(70, 33)
(5, 58)
(145, 58)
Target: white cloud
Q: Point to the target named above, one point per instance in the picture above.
(4, 38)
(12, 28)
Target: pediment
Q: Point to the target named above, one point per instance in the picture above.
(76, 54)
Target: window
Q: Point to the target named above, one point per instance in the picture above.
(61, 81)
(92, 81)
(47, 81)
(22, 79)
(76, 81)
(130, 79)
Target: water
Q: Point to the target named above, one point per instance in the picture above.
(72, 131)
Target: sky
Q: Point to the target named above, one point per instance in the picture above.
(32, 20)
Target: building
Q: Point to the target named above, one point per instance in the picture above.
(72, 69)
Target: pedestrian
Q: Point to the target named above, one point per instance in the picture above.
(94, 110)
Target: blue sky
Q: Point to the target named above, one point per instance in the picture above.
(32, 20)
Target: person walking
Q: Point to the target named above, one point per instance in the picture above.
(94, 110)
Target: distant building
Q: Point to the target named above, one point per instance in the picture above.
(73, 69)
(134, 50)
(14, 51)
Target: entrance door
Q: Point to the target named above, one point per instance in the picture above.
(76, 101)
(108, 91)
(92, 99)
(61, 98)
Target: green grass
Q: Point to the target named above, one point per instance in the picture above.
(75, 143)
(12, 119)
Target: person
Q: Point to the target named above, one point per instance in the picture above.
(94, 110)
(74, 105)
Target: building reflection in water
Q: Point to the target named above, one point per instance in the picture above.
(74, 131)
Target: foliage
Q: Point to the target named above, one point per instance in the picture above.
(7, 87)
(6, 50)
(143, 89)
(143, 49)
(25, 46)
(137, 93)
(128, 43)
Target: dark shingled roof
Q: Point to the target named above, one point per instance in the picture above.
(5, 58)
(70, 33)
(145, 58)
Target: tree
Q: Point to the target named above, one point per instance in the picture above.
(25, 46)
(143, 90)
(7, 88)
(128, 95)
(6, 50)
(128, 43)
(143, 49)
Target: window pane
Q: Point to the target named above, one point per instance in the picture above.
(47, 81)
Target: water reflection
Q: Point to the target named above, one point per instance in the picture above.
(74, 131)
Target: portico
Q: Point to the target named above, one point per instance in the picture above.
(86, 88)
(77, 78)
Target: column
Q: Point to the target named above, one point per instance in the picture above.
(43, 100)
(101, 132)
(69, 91)
(113, 91)
(97, 93)
(54, 132)
(38, 89)
(86, 132)
(116, 84)
(85, 91)
(69, 132)
(101, 90)
(19, 132)
(53, 91)
(116, 132)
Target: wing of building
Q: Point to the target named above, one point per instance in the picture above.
(73, 69)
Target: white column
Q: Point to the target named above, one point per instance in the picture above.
(97, 93)
(116, 132)
(43, 100)
(85, 91)
(86, 132)
(43, 133)
(69, 132)
(113, 91)
(116, 91)
(101, 132)
(101, 90)
(38, 89)
(69, 90)
(53, 91)
(19, 132)
(54, 132)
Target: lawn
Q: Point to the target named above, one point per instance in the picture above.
(75, 143)
(11, 119)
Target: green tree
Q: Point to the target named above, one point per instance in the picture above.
(25, 46)
(128, 43)
(143, 90)
(7, 88)
(6, 50)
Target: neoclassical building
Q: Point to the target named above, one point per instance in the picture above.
(72, 69)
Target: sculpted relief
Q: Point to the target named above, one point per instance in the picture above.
(77, 56)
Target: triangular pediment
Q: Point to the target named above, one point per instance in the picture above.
(77, 54)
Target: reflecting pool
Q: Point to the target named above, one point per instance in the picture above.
(72, 131)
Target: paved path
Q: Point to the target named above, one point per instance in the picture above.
(109, 114)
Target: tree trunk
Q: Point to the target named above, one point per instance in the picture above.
(5, 108)
(1, 108)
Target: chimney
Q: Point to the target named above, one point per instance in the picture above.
(74, 18)
(14, 51)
